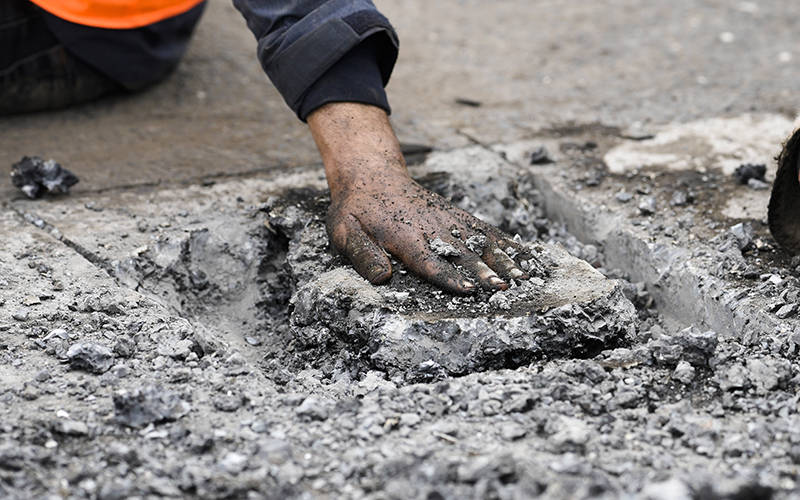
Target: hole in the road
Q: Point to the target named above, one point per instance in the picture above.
(274, 289)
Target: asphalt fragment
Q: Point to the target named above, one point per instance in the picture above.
(35, 176)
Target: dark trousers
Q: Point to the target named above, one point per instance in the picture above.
(36, 72)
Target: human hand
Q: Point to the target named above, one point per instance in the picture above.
(376, 208)
(440, 243)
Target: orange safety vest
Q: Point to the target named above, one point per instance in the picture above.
(116, 14)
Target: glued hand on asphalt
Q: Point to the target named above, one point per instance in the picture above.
(376, 208)
(437, 241)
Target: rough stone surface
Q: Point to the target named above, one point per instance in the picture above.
(95, 358)
(319, 409)
(150, 404)
(574, 311)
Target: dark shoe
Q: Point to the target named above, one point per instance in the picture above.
(784, 203)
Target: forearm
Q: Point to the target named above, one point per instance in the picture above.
(355, 141)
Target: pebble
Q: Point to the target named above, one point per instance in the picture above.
(234, 463)
(30, 392)
(228, 402)
(540, 156)
(758, 185)
(443, 249)
(311, 408)
(124, 346)
(684, 373)
(672, 489)
(410, 419)
(647, 205)
(743, 234)
(786, 311)
(22, 314)
(116, 489)
(147, 405)
(513, 431)
(396, 297)
(569, 434)
(623, 197)
(31, 300)
(70, 427)
(94, 358)
(679, 198)
(731, 377)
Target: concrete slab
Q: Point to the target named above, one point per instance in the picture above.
(723, 143)
(573, 312)
(199, 251)
(684, 247)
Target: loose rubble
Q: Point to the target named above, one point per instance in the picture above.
(227, 354)
(35, 176)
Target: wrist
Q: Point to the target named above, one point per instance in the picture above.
(356, 143)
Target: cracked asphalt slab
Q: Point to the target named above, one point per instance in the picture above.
(153, 342)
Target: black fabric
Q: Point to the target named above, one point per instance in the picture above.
(300, 40)
(23, 32)
(314, 51)
(356, 77)
(366, 20)
(36, 72)
(135, 58)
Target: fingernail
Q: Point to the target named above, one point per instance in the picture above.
(468, 286)
(377, 275)
(496, 281)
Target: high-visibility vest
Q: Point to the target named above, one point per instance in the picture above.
(116, 14)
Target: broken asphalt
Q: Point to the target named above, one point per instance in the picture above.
(148, 344)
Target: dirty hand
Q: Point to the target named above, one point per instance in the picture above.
(376, 206)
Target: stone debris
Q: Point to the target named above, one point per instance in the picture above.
(94, 358)
(311, 408)
(443, 249)
(540, 156)
(575, 310)
(35, 176)
(648, 205)
(70, 427)
(477, 243)
(148, 405)
(228, 390)
(623, 197)
(758, 185)
(743, 235)
(747, 172)
(684, 372)
(21, 314)
(679, 198)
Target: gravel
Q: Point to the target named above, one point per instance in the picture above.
(234, 389)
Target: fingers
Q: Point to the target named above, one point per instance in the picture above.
(440, 273)
(497, 259)
(472, 263)
(464, 252)
(415, 252)
(368, 259)
(501, 239)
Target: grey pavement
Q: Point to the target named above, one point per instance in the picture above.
(233, 372)
(530, 65)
